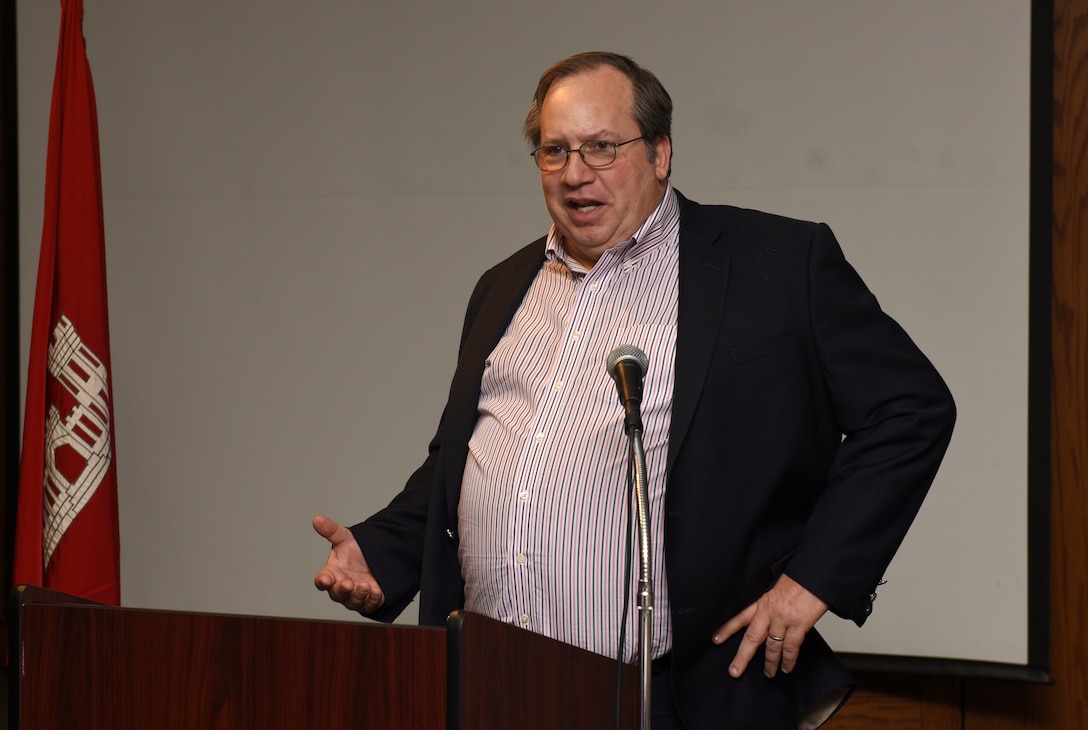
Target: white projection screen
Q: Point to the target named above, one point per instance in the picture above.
(299, 198)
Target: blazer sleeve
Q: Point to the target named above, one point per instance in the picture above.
(896, 415)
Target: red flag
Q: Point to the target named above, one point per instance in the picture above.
(66, 535)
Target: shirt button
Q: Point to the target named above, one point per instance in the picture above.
(521, 558)
(576, 336)
(524, 618)
(540, 437)
(523, 496)
(558, 385)
(593, 286)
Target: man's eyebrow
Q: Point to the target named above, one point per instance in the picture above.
(602, 134)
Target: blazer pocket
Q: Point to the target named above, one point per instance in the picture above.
(765, 346)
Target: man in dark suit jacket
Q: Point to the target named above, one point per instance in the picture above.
(806, 427)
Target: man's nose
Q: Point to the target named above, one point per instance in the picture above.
(577, 171)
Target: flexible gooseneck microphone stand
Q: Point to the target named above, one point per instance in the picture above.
(645, 577)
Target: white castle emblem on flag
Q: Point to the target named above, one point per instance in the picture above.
(85, 430)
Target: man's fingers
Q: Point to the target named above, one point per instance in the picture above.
(749, 643)
(734, 625)
(341, 590)
(347, 592)
(753, 638)
(346, 576)
(324, 580)
(362, 597)
(791, 649)
(328, 529)
(372, 601)
(778, 622)
(774, 647)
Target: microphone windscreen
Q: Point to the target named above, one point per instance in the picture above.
(627, 352)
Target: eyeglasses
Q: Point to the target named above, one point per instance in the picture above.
(554, 158)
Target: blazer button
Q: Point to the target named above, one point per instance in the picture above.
(449, 534)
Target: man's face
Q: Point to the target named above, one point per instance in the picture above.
(597, 208)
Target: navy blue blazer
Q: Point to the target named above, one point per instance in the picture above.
(806, 430)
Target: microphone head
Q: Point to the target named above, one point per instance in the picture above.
(630, 353)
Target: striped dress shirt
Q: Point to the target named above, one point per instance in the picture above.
(544, 506)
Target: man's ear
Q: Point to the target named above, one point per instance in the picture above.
(663, 158)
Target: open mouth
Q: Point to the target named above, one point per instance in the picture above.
(583, 206)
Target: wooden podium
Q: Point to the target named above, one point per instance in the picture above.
(76, 664)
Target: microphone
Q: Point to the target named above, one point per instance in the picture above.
(627, 365)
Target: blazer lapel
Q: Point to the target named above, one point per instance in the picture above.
(704, 269)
